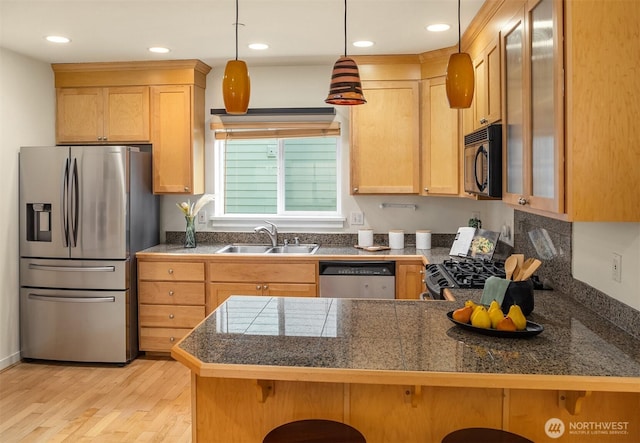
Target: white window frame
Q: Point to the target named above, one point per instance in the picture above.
(284, 220)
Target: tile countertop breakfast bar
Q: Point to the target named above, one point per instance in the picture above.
(401, 371)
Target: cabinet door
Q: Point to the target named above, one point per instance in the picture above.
(385, 139)
(79, 115)
(127, 114)
(440, 161)
(513, 127)
(172, 154)
(534, 115)
(547, 106)
(493, 84)
(409, 280)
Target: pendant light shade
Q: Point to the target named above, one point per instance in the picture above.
(460, 80)
(345, 87)
(236, 85)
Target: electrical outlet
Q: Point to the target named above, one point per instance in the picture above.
(357, 218)
(202, 216)
(616, 267)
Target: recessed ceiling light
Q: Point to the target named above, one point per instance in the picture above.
(438, 27)
(259, 46)
(159, 50)
(363, 44)
(57, 39)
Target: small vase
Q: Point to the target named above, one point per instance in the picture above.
(190, 233)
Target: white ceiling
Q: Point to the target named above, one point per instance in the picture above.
(298, 32)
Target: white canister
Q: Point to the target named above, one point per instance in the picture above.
(423, 239)
(396, 239)
(365, 237)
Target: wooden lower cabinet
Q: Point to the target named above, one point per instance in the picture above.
(410, 280)
(272, 278)
(171, 302)
(242, 410)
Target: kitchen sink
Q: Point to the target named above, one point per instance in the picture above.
(267, 249)
(294, 249)
(244, 249)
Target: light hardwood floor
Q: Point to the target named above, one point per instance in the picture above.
(145, 401)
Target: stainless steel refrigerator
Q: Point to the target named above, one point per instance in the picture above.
(84, 213)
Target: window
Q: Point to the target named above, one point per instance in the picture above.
(288, 177)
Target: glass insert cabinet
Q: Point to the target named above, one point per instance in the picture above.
(533, 107)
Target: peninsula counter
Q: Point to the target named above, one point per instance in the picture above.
(401, 371)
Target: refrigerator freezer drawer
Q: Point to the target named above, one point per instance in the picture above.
(82, 326)
(74, 274)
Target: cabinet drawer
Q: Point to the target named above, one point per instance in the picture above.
(170, 316)
(170, 271)
(171, 293)
(160, 339)
(263, 272)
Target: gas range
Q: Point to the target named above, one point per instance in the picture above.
(460, 273)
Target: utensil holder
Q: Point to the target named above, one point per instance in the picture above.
(519, 293)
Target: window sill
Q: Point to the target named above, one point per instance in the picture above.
(284, 223)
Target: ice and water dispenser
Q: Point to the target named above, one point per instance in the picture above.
(39, 222)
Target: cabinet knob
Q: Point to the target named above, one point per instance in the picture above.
(355, 190)
(170, 293)
(522, 201)
(426, 189)
(172, 339)
(186, 189)
(170, 271)
(258, 287)
(171, 316)
(266, 287)
(484, 121)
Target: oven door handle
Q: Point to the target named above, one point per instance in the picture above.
(481, 150)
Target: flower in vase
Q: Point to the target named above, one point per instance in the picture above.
(191, 209)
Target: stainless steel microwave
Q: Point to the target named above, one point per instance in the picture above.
(483, 161)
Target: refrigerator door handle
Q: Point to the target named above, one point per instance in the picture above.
(58, 299)
(65, 210)
(72, 268)
(75, 195)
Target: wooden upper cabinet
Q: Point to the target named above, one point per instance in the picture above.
(102, 115)
(178, 148)
(533, 129)
(440, 148)
(385, 139)
(160, 102)
(486, 104)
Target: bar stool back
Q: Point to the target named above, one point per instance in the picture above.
(483, 435)
(314, 431)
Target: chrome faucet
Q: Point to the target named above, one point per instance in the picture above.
(271, 231)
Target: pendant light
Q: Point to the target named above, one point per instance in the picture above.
(236, 85)
(459, 80)
(345, 87)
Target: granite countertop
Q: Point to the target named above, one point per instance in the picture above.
(435, 255)
(411, 340)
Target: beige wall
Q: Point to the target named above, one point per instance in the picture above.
(593, 247)
(27, 117)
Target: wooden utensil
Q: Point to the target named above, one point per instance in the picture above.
(529, 269)
(518, 269)
(510, 265)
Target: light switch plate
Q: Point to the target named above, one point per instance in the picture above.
(357, 218)
(202, 216)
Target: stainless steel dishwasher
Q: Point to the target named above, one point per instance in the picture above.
(358, 279)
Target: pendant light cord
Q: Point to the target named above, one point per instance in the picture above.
(237, 28)
(459, 38)
(345, 28)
